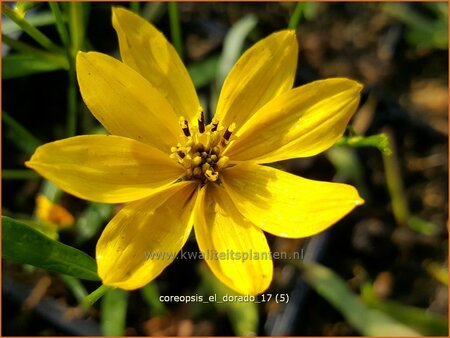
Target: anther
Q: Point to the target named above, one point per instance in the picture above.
(201, 123)
(211, 175)
(181, 154)
(229, 131)
(215, 123)
(184, 126)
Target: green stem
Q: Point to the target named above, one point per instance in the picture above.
(30, 30)
(175, 27)
(72, 103)
(94, 296)
(76, 25)
(379, 141)
(19, 174)
(77, 31)
(60, 25)
(296, 16)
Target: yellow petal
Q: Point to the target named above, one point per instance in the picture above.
(145, 236)
(287, 205)
(264, 71)
(302, 122)
(108, 169)
(124, 102)
(229, 243)
(146, 50)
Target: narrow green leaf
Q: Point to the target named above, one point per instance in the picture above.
(60, 24)
(204, 72)
(113, 312)
(23, 244)
(18, 134)
(19, 174)
(31, 30)
(48, 229)
(422, 226)
(75, 286)
(38, 19)
(175, 27)
(233, 45)
(422, 320)
(368, 322)
(243, 315)
(91, 221)
(18, 65)
(151, 294)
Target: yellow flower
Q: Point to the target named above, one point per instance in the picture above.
(176, 173)
(50, 212)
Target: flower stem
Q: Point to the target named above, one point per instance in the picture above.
(94, 296)
(175, 27)
(76, 26)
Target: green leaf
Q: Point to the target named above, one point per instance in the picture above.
(151, 294)
(19, 174)
(422, 226)
(31, 30)
(113, 312)
(18, 134)
(233, 45)
(204, 72)
(23, 244)
(75, 286)
(38, 19)
(243, 315)
(368, 322)
(91, 221)
(48, 229)
(18, 65)
(423, 321)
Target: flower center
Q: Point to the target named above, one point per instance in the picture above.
(200, 151)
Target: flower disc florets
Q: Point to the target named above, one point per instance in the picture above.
(200, 153)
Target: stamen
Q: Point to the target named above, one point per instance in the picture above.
(201, 123)
(184, 126)
(200, 152)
